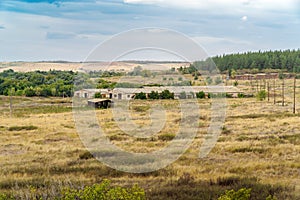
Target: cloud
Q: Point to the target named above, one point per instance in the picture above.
(2, 27)
(70, 31)
(224, 4)
(244, 18)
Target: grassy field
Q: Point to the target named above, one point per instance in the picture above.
(259, 148)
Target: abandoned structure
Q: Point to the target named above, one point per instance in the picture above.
(129, 93)
(100, 103)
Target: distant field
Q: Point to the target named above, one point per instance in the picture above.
(116, 66)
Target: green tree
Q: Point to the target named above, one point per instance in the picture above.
(166, 94)
(200, 95)
(140, 95)
(29, 92)
(153, 95)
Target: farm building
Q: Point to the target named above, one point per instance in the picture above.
(129, 93)
(90, 93)
(100, 103)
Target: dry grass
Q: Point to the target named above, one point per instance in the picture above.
(259, 140)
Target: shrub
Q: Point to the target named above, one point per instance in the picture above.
(236, 83)
(5, 197)
(104, 191)
(218, 80)
(140, 95)
(241, 95)
(20, 128)
(86, 155)
(167, 136)
(242, 194)
(153, 95)
(97, 95)
(229, 95)
(166, 94)
(200, 95)
(208, 80)
(261, 95)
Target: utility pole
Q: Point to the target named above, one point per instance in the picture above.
(294, 107)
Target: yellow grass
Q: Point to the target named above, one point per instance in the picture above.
(259, 139)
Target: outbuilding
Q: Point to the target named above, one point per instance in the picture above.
(100, 103)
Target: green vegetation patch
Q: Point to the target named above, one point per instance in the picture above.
(167, 137)
(21, 128)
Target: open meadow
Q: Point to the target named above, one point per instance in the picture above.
(41, 152)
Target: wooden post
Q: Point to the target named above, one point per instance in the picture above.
(268, 87)
(10, 103)
(294, 107)
(274, 90)
(283, 92)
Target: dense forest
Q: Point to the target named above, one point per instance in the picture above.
(285, 61)
(38, 83)
(288, 60)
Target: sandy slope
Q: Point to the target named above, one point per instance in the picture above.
(117, 66)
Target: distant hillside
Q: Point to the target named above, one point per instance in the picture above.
(287, 60)
(88, 66)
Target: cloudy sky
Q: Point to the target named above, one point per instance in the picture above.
(35, 30)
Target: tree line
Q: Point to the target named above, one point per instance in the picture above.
(37, 83)
(287, 60)
(281, 60)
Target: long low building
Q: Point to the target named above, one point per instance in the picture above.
(129, 93)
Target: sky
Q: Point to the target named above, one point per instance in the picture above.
(48, 30)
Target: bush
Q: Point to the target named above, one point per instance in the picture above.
(97, 95)
(140, 95)
(208, 80)
(241, 95)
(104, 191)
(261, 95)
(242, 194)
(200, 95)
(5, 197)
(86, 155)
(166, 94)
(229, 95)
(218, 80)
(153, 95)
(167, 137)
